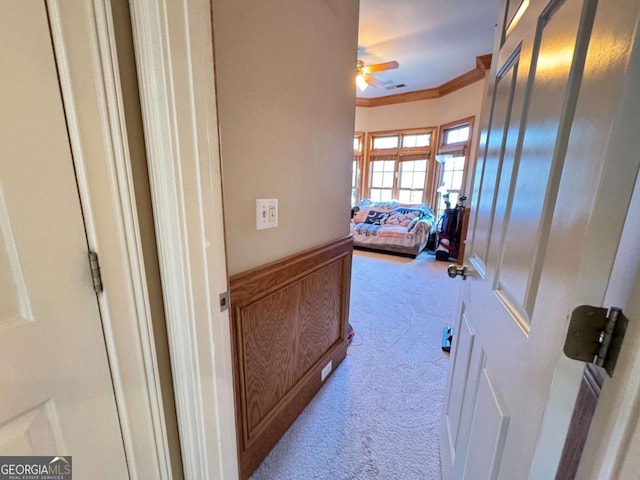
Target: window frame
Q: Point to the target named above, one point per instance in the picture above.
(456, 149)
(400, 154)
(359, 156)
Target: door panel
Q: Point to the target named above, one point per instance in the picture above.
(36, 430)
(15, 310)
(530, 188)
(460, 368)
(467, 363)
(491, 165)
(511, 361)
(57, 397)
(489, 427)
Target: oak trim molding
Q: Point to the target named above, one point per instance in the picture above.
(483, 65)
(263, 280)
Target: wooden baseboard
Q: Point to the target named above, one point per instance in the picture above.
(288, 319)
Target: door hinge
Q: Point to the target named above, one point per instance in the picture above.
(224, 301)
(95, 272)
(595, 335)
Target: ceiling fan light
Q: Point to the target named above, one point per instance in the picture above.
(361, 82)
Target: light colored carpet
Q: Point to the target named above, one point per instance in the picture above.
(377, 416)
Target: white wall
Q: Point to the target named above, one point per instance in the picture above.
(424, 113)
(284, 73)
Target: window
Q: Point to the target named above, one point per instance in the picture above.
(456, 135)
(453, 153)
(382, 179)
(356, 169)
(390, 141)
(355, 178)
(452, 174)
(412, 177)
(399, 166)
(417, 140)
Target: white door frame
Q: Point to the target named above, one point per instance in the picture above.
(95, 116)
(174, 55)
(613, 443)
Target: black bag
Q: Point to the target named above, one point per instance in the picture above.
(449, 224)
(447, 235)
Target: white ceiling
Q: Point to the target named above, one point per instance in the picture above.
(434, 41)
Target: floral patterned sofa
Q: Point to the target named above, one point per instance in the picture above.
(392, 226)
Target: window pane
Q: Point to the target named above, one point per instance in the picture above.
(419, 165)
(412, 173)
(375, 194)
(423, 140)
(385, 195)
(383, 165)
(355, 173)
(418, 180)
(376, 179)
(405, 196)
(456, 135)
(406, 179)
(447, 177)
(409, 141)
(387, 181)
(411, 196)
(385, 142)
(382, 173)
(356, 143)
(456, 183)
(457, 163)
(441, 206)
(416, 140)
(353, 197)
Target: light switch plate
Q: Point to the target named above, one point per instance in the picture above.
(266, 213)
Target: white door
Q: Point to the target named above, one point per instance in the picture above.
(57, 395)
(547, 213)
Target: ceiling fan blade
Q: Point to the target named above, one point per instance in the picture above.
(381, 67)
(374, 82)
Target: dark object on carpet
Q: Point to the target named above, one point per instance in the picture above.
(447, 338)
(350, 332)
(431, 242)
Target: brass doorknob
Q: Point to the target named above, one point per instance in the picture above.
(454, 270)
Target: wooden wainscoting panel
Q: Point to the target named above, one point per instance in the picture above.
(320, 307)
(289, 319)
(269, 330)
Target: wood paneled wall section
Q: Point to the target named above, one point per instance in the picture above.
(289, 319)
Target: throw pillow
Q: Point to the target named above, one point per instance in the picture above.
(402, 217)
(376, 218)
(361, 215)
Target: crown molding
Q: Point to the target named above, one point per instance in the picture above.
(483, 64)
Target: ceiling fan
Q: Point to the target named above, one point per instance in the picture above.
(363, 73)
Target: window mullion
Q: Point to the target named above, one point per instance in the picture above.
(396, 180)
